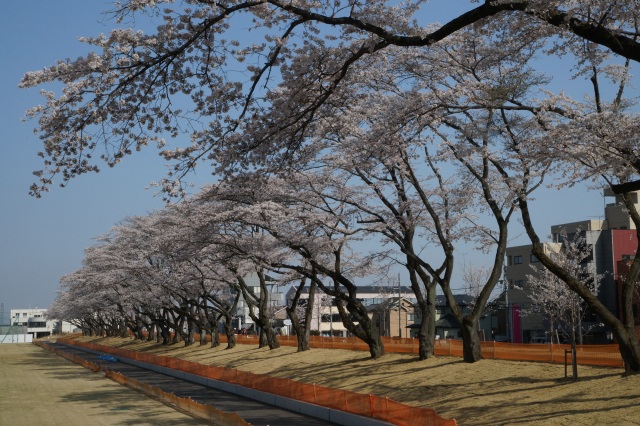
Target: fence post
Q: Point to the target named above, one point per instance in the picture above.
(371, 410)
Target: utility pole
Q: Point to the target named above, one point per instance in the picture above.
(506, 297)
(399, 317)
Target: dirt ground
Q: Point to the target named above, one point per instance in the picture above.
(41, 388)
(490, 392)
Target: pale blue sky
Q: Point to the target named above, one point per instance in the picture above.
(43, 239)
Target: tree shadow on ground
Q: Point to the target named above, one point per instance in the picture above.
(137, 407)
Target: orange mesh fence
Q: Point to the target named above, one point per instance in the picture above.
(400, 345)
(366, 405)
(598, 355)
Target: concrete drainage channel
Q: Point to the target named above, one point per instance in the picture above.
(256, 407)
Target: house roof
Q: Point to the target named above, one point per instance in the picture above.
(461, 300)
(392, 304)
(376, 289)
(448, 321)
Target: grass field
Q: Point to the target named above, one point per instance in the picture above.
(40, 388)
(490, 392)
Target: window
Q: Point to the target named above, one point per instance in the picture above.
(533, 259)
(517, 260)
(331, 318)
(588, 249)
(509, 260)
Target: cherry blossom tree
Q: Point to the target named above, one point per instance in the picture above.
(298, 231)
(139, 89)
(302, 314)
(459, 92)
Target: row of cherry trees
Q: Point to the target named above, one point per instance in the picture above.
(353, 122)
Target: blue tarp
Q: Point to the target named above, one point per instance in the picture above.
(108, 358)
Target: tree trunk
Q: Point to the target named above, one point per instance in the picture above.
(191, 333)
(228, 329)
(203, 337)
(427, 306)
(302, 332)
(365, 329)
(427, 330)
(376, 348)
(574, 360)
(471, 349)
(268, 337)
(166, 335)
(215, 337)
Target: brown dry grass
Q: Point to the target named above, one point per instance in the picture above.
(490, 392)
(41, 388)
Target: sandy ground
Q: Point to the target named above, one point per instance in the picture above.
(490, 392)
(41, 388)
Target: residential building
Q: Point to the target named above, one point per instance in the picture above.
(381, 299)
(393, 319)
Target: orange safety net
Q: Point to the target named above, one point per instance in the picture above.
(597, 355)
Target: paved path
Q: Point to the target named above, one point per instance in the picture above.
(252, 411)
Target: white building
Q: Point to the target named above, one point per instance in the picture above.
(37, 323)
